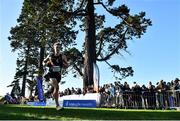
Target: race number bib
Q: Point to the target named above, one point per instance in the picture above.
(56, 68)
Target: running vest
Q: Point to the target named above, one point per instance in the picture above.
(57, 60)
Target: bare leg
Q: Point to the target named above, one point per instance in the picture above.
(54, 83)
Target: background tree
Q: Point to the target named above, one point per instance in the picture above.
(20, 41)
(31, 84)
(16, 90)
(38, 27)
(24, 39)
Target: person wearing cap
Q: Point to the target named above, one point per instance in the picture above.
(55, 61)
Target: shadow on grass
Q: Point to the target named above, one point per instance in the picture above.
(22, 112)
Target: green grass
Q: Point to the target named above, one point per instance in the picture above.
(17, 112)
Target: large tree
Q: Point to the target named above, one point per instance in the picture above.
(54, 20)
(104, 42)
(21, 41)
(38, 27)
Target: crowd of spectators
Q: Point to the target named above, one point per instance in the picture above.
(10, 99)
(121, 95)
(77, 91)
(162, 95)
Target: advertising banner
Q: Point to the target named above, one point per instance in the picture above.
(80, 103)
(36, 103)
(96, 77)
(40, 90)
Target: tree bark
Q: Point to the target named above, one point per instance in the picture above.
(42, 50)
(90, 46)
(25, 73)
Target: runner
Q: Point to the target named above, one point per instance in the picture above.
(55, 62)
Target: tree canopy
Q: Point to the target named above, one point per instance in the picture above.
(43, 22)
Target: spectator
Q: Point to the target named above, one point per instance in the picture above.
(8, 99)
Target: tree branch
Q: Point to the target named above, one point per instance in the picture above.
(79, 11)
(100, 46)
(109, 11)
(108, 63)
(78, 70)
(117, 47)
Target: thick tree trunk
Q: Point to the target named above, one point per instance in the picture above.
(42, 50)
(90, 46)
(25, 74)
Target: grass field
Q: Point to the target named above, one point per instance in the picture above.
(17, 112)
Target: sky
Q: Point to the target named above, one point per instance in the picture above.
(155, 56)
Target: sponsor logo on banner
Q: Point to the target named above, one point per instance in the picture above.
(36, 103)
(80, 103)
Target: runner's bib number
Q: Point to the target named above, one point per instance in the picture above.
(56, 68)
